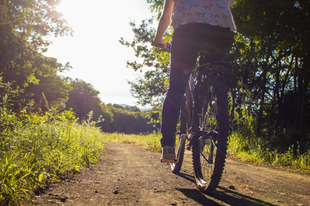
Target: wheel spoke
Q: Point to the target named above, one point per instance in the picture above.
(204, 157)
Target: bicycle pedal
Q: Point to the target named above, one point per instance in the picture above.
(188, 146)
(166, 161)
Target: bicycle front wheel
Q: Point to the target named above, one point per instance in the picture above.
(180, 145)
(210, 144)
(176, 166)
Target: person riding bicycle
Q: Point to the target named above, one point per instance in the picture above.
(207, 23)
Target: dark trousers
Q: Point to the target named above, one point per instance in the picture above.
(183, 59)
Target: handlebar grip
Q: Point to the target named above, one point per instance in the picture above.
(168, 47)
(157, 44)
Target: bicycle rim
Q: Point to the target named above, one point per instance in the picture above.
(209, 149)
(180, 145)
(176, 166)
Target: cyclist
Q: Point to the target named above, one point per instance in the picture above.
(196, 22)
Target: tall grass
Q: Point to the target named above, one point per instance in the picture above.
(36, 149)
(244, 143)
(260, 152)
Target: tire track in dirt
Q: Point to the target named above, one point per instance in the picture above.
(129, 175)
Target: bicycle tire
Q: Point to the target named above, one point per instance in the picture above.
(180, 146)
(209, 147)
(176, 166)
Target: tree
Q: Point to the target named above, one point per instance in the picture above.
(129, 120)
(150, 89)
(280, 30)
(24, 26)
(83, 98)
(107, 116)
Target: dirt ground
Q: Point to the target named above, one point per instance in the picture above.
(129, 175)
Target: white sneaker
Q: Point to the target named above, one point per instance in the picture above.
(167, 154)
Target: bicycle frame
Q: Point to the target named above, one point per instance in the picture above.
(191, 94)
(204, 122)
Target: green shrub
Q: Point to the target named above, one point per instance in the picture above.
(36, 149)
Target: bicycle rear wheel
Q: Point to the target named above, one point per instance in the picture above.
(210, 145)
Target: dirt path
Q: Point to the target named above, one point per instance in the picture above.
(128, 175)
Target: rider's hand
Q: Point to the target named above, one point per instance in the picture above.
(159, 43)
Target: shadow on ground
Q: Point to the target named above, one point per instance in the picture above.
(219, 196)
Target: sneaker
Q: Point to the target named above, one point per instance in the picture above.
(167, 154)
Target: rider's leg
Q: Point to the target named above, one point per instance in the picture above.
(182, 61)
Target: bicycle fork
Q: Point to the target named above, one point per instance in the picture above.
(202, 137)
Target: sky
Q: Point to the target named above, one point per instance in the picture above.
(94, 51)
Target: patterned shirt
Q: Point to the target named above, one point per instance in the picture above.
(213, 12)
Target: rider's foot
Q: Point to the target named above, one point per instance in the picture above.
(167, 154)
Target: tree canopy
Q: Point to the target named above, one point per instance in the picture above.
(23, 31)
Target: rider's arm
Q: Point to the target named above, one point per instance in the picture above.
(164, 22)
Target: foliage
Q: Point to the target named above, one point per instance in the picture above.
(274, 57)
(150, 89)
(36, 149)
(83, 98)
(260, 151)
(23, 29)
(129, 120)
(248, 146)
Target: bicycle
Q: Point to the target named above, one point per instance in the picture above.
(204, 123)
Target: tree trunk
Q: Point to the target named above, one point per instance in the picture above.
(261, 108)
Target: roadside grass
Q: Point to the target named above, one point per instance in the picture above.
(258, 151)
(37, 149)
(252, 151)
(149, 142)
(244, 144)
